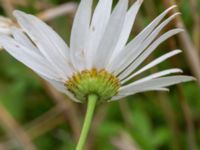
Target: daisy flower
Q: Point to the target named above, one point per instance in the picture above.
(99, 60)
(100, 64)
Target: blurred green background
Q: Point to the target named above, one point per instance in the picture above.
(35, 116)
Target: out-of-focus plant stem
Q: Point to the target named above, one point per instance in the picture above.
(188, 119)
(150, 9)
(185, 107)
(41, 125)
(124, 142)
(45, 122)
(15, 131)
(171, 119)
(52, 13)
(196, 17)
(125, 112)
(8, 7)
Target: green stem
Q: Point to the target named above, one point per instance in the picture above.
(92, 99)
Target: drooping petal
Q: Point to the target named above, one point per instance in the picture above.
(151, 64)
(80, 32)
(48, 42)
(28, 57)
(111, 35)
(118, 97)
(154, 83)
(157, 75)
(127, 27)
(99, 21)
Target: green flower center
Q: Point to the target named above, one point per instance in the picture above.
(100, 82)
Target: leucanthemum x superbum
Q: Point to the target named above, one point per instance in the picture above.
(99, 60)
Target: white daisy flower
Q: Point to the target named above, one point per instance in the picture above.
(99, 60)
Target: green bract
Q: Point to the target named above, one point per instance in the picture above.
(102, 83)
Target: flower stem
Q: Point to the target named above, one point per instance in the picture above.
(92, 99)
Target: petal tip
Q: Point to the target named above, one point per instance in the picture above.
(17, 12)
(189, 78)
(180, 71)
(193, 79)
(173, 6)
(178, 51)
(181, 30)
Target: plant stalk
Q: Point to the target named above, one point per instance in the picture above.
(92, 99)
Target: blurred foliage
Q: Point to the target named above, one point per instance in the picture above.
(145, 120)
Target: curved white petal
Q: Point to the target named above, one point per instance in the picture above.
(147, 52)
(28, 57)
(118, 97)
(154, 83)
(152, 64)
(157, 75)
(111, 35)
(99, 21)
(133, 46)
(127, 27)
(48, 42)
(79, 34)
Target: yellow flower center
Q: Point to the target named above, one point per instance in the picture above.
(100, 82)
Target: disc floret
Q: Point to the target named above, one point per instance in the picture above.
(100, 82)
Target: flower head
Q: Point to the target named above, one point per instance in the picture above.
(99, 60)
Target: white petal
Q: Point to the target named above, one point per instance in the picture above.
(49, 43)
(60, 86)
(4, 30)
(128, 24)
(137, 41)
(79, 34)
(111, 35)
(99, 21)
(118, 97)
(157, 75)
(5, 25)
(22, 38)
(147, 52)
(153, 63)
(155, 83)
(28, 57)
